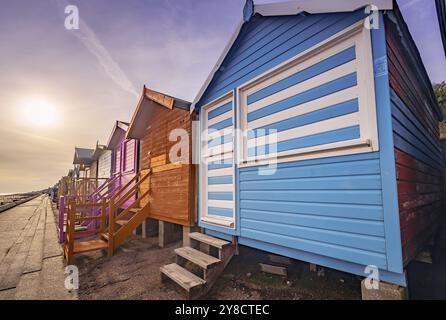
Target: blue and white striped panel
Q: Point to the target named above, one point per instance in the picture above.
(219, 152)
(306, 106)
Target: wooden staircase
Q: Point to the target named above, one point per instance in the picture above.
(113, 227)
(199, 266)
(78, 193)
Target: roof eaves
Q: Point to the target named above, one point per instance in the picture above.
(287, 8)
(217, 65)
(441, 12)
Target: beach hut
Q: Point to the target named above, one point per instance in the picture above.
(83, 158)
(320, 142)
(124, 155)
(114, 210)
(163, 126)
(85, 165)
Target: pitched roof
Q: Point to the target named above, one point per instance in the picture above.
(83, 156)
(413, 53)
(119, 125)
(314, 7)
(99, 150)
(151, 99)
(288, 8)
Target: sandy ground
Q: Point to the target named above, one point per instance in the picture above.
(133, 273)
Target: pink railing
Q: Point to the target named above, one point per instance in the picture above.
(105, 191)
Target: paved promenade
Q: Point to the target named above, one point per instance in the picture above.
(31, 260)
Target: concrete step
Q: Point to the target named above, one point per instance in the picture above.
(197, 257)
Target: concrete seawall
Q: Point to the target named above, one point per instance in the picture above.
(15, 204)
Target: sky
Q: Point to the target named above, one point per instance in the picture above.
(87, 79)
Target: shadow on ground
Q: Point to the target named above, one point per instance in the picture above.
(428, 281)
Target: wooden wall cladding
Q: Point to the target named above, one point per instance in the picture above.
(420, 201)
(171, 183)
(417, 150)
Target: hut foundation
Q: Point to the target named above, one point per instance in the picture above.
(168, 233)
(386, 291)
(186, 231)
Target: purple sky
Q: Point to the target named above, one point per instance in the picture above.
(93, 76)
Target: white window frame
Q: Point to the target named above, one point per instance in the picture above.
(356, 35)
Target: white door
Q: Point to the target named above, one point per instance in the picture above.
(217, 175)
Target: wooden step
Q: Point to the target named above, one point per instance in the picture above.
(76, 228)
(105, 236)
(199, 258)
(187, 280)
(91, 245)
(215, 242)
(121, 222)
(135, 210)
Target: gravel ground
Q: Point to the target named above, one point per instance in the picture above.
(133, 273)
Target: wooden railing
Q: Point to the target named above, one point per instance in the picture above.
(116, 202)
(76, 218)
(106, 189)
(102, 216)
(96, 196)
(83, 188)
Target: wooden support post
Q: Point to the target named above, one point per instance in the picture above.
(111, 229)
(151, 228)
(186, 231)
(313, 267)
(70, 231)
(168, 233)
(103, 215)
(143, 232)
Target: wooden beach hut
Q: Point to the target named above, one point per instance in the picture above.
(320, 140)
(163, 126)
(116, 209)
(124, 155)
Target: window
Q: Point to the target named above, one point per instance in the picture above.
(129, 160)
(321, 103)
(118, 161)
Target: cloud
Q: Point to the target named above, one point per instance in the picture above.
(89, 39)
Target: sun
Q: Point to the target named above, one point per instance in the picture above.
(39, 112)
